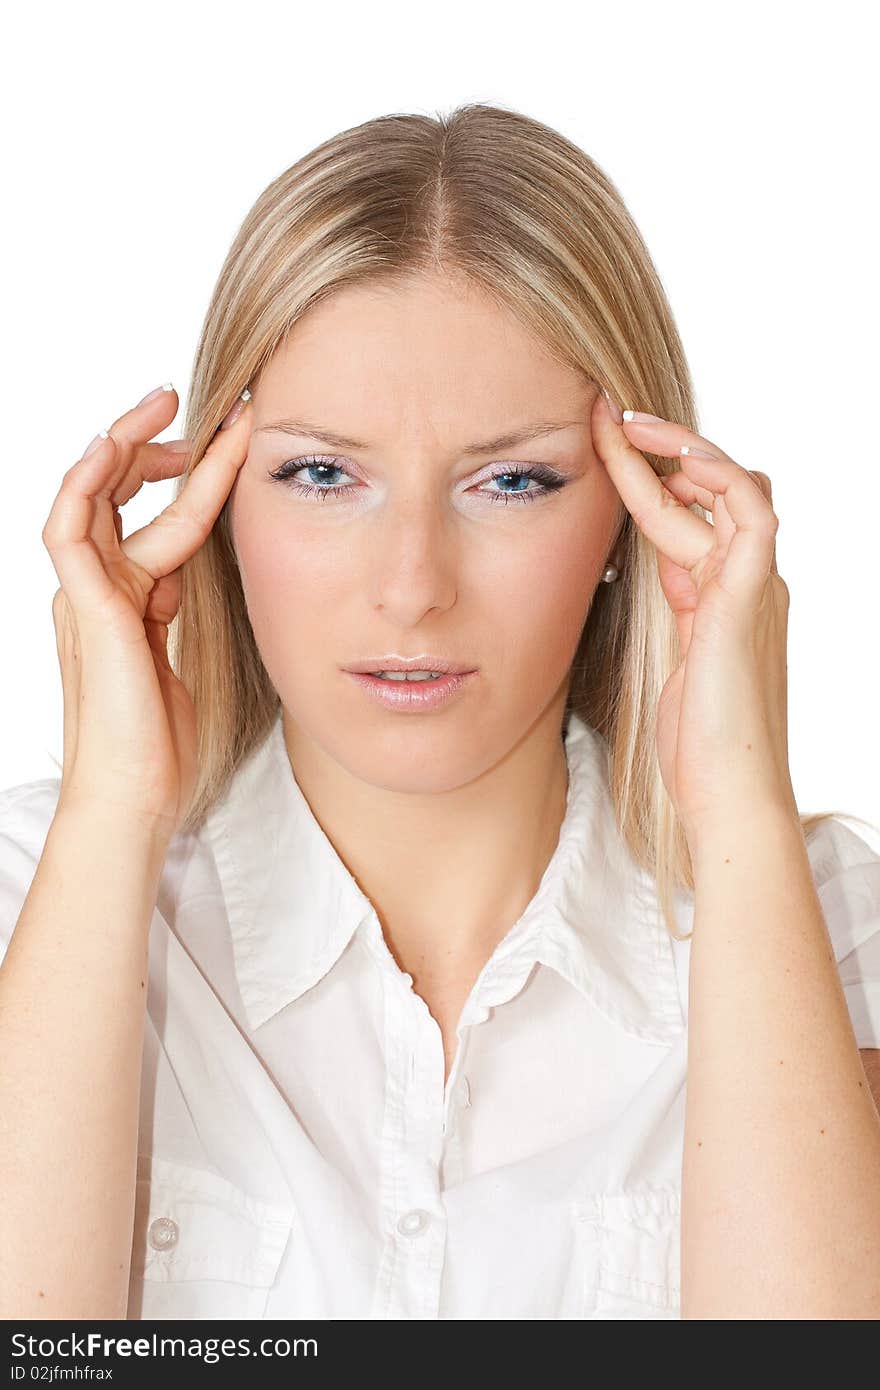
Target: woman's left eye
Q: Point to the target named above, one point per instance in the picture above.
(547, 481)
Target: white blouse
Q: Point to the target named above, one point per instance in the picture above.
(299, 1154)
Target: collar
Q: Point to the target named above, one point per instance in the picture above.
(293, 905)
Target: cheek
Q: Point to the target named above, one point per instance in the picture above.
(291, 581)
(542, 587)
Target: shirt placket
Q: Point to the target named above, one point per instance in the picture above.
(412, 1212)
(420, 1148)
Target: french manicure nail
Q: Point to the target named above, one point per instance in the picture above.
(616, 412)
(638, 417)
(96, 442)
(231, 417)
(177, 446)
(158, 392)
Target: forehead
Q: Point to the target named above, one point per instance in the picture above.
(423, 351)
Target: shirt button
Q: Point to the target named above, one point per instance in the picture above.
(412, 1223)
(163, 1233)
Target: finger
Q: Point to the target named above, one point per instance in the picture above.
(750, 555)
(177, 533)
(688, 492)
(767, 488)
(664, 437)
(678, 532)
(164, 599)
(121, 468)
(151, 463)
(157, 638)
(681, 595)
(134, 428)
(66, 533)
(152, 414)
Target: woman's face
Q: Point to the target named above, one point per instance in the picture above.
(417, 549)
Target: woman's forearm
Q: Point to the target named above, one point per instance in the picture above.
(73, 988)
(781, 1169)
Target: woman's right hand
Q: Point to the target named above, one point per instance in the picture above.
(129, 723)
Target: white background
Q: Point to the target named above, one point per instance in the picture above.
(743, 140)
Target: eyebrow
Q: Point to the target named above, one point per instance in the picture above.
(485, 446)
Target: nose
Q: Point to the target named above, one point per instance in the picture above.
(414, 558)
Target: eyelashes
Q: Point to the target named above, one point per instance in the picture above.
(547, 481)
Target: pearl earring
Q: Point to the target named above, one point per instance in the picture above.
(611, 572)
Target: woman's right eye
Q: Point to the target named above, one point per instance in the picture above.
(320, 469)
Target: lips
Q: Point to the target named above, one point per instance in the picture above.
(444, 666)
(402, 677)
(413, 696)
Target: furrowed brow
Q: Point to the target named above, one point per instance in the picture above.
(307, 430)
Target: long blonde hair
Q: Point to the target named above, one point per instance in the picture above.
(510, 204)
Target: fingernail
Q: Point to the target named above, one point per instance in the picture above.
(177, 446)
(638, 417)
(613, 407)
(231, 417)
(696, 453)
(96, 442)
(158, 392)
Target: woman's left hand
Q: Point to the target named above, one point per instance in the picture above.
(722, 725)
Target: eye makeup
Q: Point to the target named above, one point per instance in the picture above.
(546, 479)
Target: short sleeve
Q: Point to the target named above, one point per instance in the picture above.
(846, 871)
(26, 813)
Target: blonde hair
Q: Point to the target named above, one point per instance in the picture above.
(508, 203)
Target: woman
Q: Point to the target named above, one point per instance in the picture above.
(423, 1035)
